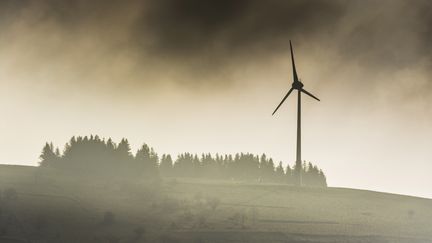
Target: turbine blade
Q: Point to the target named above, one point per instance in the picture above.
(295, 77)
(286, 96)
(311, 95)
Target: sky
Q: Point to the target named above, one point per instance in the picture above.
(205, 76)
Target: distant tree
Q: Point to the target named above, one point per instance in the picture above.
(147, 161)
(48, 156)
(124, 158)
(289, 175)
(280, 173)
(263, 166)
(154, 159)
(111, 146)
(270, 170)
(166, 165)
(89, 154)
(57, 153)
(323, 179)
(123, 150)
(183, 166)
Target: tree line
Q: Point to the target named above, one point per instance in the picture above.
(95, 156)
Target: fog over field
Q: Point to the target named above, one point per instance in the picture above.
(204, 76)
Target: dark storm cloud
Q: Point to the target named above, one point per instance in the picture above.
(190, 27)
(387, 34)
(194, 27)
(216, 35)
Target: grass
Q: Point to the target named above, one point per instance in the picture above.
(56, 207)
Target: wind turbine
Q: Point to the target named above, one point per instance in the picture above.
(298, 85)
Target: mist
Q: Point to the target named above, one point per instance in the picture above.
(204, 76)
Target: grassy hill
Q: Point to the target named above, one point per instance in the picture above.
(55, 207)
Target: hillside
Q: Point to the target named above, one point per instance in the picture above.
(53, 207)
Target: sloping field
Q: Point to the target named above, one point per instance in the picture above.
(55, 207)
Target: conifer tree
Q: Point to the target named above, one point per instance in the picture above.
(147, 161)
(280, 173)
(93, 155)
(289, 175)
(48, 156)
(166, 165)
(123, 150)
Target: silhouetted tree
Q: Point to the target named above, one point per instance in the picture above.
(48, 156)
(289, 175)
(95, 156)
(183, 166)
(280, 173)
(123, 150)
(166, 165)
(147, 161)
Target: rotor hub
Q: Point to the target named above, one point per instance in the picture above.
(297, 85)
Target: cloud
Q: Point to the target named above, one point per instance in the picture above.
(231, 27)
(195, 42)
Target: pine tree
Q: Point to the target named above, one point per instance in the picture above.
(270, 170)
(147, 161)
(123, 150)
(123, 159)
(153, 161)
(263, 166)
(48, 156)
(280, 173)
(289, 175)
(166, 165)
(92, 155)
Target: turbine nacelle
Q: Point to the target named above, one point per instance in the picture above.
(297, 85)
